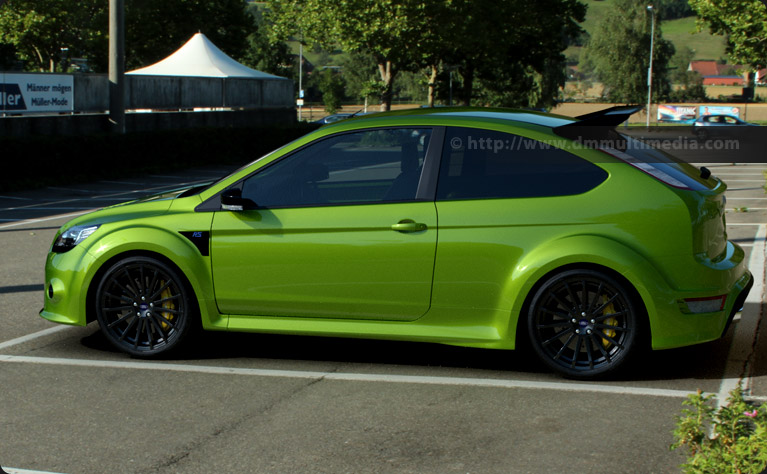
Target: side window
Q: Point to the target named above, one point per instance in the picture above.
(486, 164)
(382, 165)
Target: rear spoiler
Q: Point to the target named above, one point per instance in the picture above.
(597, 125)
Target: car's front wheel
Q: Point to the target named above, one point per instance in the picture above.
(584, 323)
(143, 306)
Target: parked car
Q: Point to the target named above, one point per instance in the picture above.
(332, 118)
(472, 227)
(707, 126)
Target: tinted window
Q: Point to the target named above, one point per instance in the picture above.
(369, 166)
(486, 164)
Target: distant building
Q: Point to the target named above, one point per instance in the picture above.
(716, 74)
(724, 81)
(710, 68)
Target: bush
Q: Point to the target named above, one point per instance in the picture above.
(738, 443)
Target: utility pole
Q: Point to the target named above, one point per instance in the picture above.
(117, 65)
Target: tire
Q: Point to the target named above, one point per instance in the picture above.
(144, 307)
(584, 324)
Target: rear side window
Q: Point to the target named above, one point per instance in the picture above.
(480, 164)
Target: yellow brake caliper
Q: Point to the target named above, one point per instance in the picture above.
(166, 294)
(609, 309)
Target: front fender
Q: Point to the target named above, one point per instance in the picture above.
(165, 243)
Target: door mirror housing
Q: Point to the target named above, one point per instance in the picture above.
(232, 200)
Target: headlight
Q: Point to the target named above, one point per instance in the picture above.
(73, 236)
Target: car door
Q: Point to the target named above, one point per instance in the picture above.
(505, 194)
(336, 232)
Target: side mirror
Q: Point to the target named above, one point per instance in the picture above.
(232, 200)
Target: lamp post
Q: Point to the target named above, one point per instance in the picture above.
(650, 9)
(300, 77)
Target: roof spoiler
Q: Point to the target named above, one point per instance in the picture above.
(597, 125)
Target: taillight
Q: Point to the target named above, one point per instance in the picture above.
(646, 167)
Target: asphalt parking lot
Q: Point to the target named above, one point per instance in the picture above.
(259, 403)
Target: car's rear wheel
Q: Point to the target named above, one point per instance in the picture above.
(584, 323)
(143, 306)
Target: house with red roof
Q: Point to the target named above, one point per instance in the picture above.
(710, 68)
(717, 74)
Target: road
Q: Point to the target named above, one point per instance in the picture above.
(283, 404)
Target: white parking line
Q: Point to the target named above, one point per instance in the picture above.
(16, 198)
(15, 470)
(739, 174)
(317, 375)
(43, 219)
(355, 377)
(739, 356)
(34, 335)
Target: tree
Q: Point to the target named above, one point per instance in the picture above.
(332, 87)
(527, 67)
(155, 29)
(743, 22)
(361, 75)
(385, 29)
(619, 53)
(264, 53)
(39, 30)
(673, 9)
(689, 83)
(485, 39)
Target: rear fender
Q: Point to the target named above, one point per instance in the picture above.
(587, 251)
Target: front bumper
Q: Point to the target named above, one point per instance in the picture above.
(67, 279)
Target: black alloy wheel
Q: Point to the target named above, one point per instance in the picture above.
(143, 307)
(584, 324)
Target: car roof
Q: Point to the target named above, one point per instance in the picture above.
(472, 114)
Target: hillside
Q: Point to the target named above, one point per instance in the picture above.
(681, 32)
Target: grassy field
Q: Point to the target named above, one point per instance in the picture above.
(681, 32)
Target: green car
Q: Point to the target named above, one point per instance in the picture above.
(483, 228)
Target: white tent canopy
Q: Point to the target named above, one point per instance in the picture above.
(199, 57)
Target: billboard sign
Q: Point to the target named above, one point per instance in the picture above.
(676, 113)
(720, 110)
(35, 93)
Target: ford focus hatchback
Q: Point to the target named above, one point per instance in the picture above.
(472, 227)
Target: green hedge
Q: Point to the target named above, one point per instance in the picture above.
(32, 162)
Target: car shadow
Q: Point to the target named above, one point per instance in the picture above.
(705, 361)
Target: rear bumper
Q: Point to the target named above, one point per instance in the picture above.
(740, 300)
(674, 328)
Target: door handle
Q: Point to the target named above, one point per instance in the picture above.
(409, 226)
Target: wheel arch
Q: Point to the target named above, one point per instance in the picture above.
(174, 250)
(521, 329)
(90, 297)
(599, 253)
